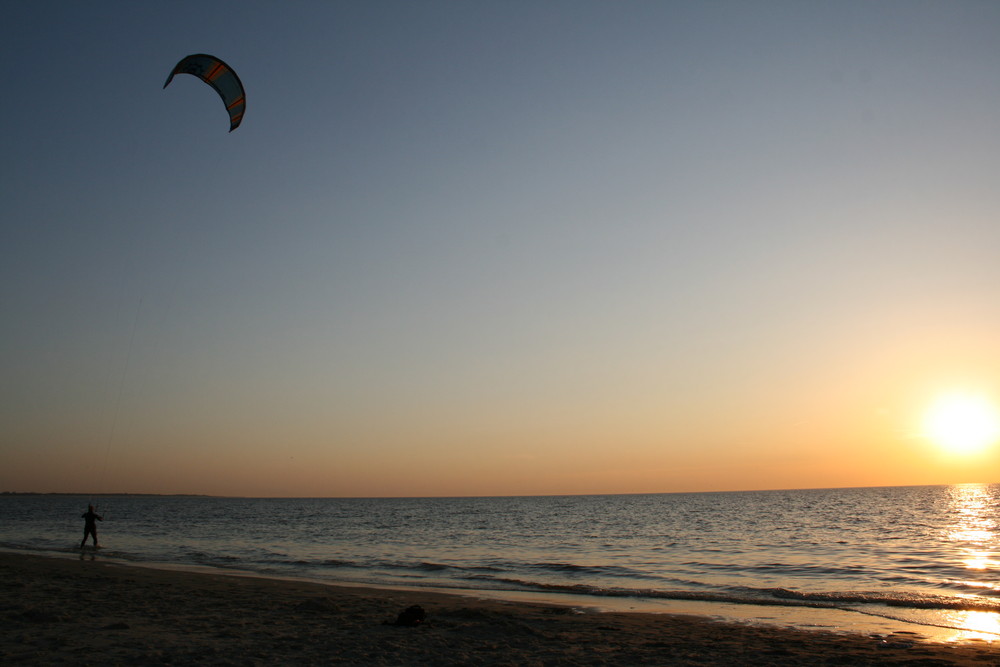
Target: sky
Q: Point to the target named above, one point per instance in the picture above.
(496, 248)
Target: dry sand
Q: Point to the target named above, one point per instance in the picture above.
(68, 611)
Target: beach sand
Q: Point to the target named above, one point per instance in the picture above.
(84, 611)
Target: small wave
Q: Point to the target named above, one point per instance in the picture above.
(483, 568)
(318, 563)
(779, 568)
(40, 546)
(893, 599)
(564, 567)
(581, 570)
(848, 601)
(222, 561)
(433, 567)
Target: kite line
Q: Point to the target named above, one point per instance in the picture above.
(118, 400)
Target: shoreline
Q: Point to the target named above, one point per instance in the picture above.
(928, 625)
(89, 611)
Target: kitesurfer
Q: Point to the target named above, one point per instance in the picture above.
(90, 518)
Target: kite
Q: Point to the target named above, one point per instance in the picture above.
(220, 76)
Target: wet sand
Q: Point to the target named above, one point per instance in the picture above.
(76, 612)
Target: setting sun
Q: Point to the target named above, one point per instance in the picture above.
(962, 423)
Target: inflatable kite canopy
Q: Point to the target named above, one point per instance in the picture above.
(220, 76)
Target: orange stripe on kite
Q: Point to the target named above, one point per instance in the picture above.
(235, 104)
(216, 71)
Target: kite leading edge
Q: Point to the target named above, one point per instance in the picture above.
(220, 76)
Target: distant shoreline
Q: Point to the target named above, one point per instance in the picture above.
(108, 495)
(522, 495)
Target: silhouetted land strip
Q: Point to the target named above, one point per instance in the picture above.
(105, 495)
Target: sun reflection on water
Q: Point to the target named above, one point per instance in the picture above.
(979, 561)
(982, 625)
(974, 527)
(974, 520)
(974, 532)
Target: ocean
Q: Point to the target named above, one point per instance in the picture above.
(923, 558)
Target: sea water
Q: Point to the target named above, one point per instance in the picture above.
(926, 557)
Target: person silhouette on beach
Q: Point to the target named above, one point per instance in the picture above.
(90, 526)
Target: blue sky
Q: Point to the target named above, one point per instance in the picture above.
(495, 247)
